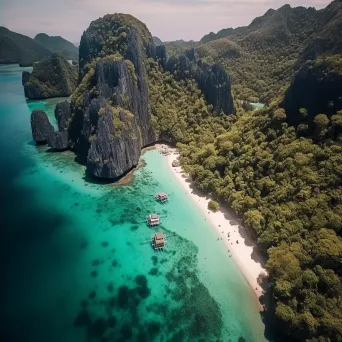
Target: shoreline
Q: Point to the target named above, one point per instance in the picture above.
(221, 221)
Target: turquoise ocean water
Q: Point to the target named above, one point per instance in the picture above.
(74, 266)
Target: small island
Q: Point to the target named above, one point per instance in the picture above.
(53, 77)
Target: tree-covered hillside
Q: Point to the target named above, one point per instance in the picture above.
(179, 47)
(287, 188)
(261, 58)
(17, 48)
(58, 44)
(278, 168)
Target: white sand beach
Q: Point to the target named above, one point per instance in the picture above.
(228, 227)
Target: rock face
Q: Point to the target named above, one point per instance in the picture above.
(161, 55)
(54, 77)
(317, 87)
(41, 126)
(58, 140)
(62, 115)
(114, 150)
(110, 120)
(25, 77)
(212, 80)
(216, 87)
(43, 132)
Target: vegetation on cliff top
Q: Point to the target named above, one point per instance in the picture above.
(111, 35)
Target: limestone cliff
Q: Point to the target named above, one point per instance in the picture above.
(25, 77)
(212, 80)
(161, 55)
(316, 87)
(62, 115)
(53, 77)
(43, 132)
(41, 126)
(58, 141)
(110, 119)
(115, 148)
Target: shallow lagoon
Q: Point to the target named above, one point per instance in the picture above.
(75, 268)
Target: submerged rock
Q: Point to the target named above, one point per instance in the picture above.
(41, 126)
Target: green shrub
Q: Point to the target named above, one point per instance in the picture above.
(214, 206)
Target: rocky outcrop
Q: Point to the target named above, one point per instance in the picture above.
(58, 140)
(157, 41)
(110, 119)
(43, 132)
(33, 92)
(137, 56)
(116, 147)
(25, 77)
(54, 77)
(161, 55)
(63, 115)
(41, 126)
(212, 80)
(216, 87)
(317, 87)
(115, 82)
(175, 163)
